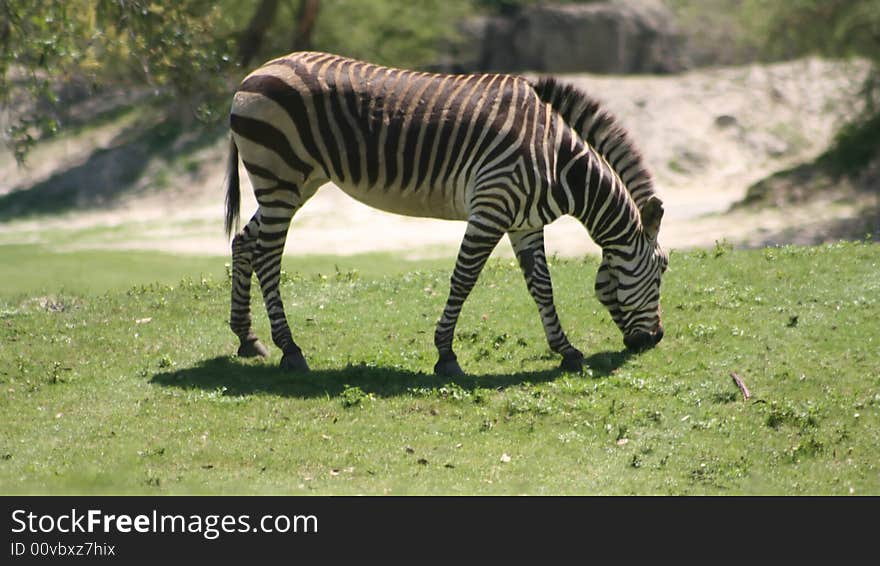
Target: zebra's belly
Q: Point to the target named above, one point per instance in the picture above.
(421, 202)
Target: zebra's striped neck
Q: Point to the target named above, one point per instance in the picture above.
(590, 190)
(594, 124)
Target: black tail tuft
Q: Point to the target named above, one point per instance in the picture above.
(233, 192)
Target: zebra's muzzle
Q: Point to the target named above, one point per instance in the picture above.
(640, 340)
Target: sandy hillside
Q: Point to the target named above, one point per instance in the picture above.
(707, 135)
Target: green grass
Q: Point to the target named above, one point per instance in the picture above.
(134, 389)
(34, 270)
(31, 271)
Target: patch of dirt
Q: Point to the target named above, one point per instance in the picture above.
(707, 135)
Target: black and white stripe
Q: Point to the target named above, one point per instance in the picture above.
(502, 153)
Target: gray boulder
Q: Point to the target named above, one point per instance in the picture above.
(616, 36)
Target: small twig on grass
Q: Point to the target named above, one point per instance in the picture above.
(741, 384)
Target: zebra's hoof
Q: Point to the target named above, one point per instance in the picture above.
(295, 362)
(572, 362)
(252, 349)
(448, 368)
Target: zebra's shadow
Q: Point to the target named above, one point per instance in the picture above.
(231, 376)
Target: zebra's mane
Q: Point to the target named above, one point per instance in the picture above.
(599, 128)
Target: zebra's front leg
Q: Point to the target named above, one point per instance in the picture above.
(529, 249)
(267, 264)
(480, 239)
(242, 272)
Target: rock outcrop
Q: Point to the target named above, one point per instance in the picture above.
(616, 36)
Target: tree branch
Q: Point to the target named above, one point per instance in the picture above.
(741, 384)
(252, 38)
(306, 17)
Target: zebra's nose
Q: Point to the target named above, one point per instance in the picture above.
(658, 334)
(639, 341)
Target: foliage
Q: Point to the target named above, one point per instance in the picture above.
(41, 42)
(837, 28)
(720, 32)
(856, 145)
(137, 391)
(736, 31)
(399, 32)
(178, 50)
(739, 31)
(513, 6)
(834, 28)
(176, 45)
(182, 52)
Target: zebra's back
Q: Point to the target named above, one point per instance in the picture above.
(402, 141)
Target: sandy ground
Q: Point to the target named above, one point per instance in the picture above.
(707, 135)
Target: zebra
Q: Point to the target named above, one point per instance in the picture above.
(504, 153)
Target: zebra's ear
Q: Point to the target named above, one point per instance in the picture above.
(652, 214)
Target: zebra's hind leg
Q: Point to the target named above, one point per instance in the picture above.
(242, 272)
(275, 213)
(480, 239)
(529, 249)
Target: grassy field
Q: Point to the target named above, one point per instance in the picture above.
(117, 376)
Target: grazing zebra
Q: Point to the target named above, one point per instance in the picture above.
(503, 153)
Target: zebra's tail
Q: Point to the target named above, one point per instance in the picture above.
(233, 191)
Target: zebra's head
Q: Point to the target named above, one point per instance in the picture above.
(628, 281)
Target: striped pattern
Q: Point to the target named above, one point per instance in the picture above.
(497, 151)
(600, 129)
